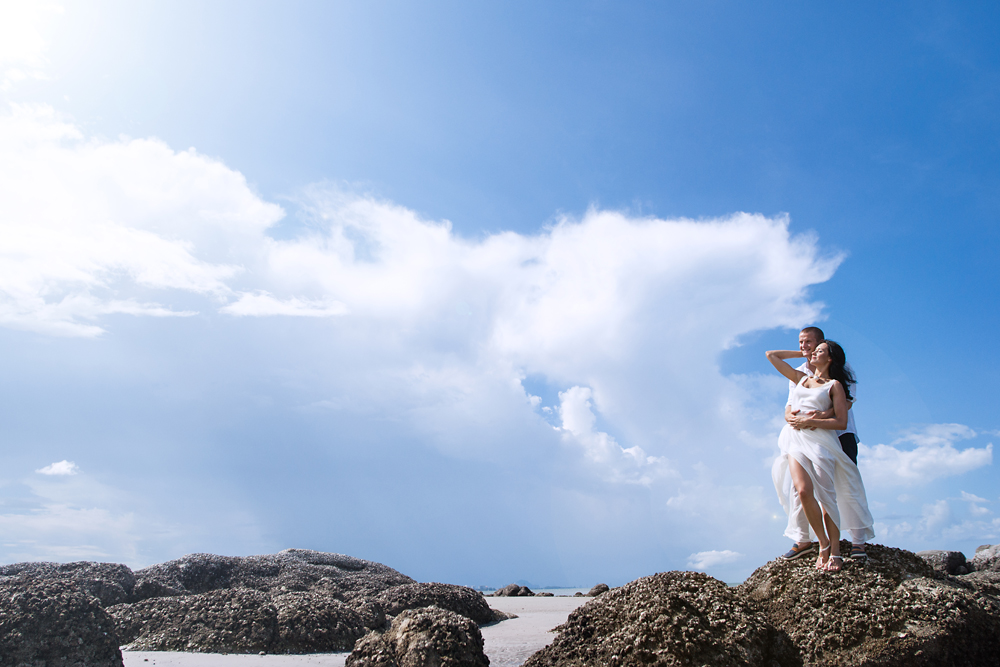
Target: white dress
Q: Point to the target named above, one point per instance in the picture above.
(836, 481)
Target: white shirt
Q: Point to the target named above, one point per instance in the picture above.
(850, 413)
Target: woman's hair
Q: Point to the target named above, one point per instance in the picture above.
(839, 370)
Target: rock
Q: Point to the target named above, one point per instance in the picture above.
(986, 582)
(544, 594)
(945, 624)
(893, 611)
(513, 590)
(243, 621)
(983, 546)
(220, 621)
(578, 594)
(49, 622)
(310, 623)
(597, 590)
(945, 562)
(425, 637)
(671, 618)
(295, 601)
(987, 558)
(459, 599)
(150, 588)
(111, 583)
(341, 577)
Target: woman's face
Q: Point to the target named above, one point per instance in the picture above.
(821, 355)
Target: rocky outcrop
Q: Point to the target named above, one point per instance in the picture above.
(459, 599)
(110, 583)
(987, 558)
(597, 590)
(513, 590)
(240, 621)
(671, 618)
(425, 637)
(336, 575)
(52, 622)
(223, 621)
(295, 601)
(899, 609)
(894, 611)
(946, 562)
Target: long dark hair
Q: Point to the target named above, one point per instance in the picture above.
(839, 370)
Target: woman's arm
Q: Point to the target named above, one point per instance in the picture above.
(777, 359)
(837, 422)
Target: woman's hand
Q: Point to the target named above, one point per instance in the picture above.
(833, 419)
(800, 420)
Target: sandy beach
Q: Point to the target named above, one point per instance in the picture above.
(508, 644)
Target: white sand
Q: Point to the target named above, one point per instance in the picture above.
(508, 644)
(511, 642)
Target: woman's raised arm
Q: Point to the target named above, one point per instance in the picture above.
(777, 359)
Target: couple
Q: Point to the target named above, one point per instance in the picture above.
(816, 475)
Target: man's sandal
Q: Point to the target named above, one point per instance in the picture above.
(797, 552)
(835, 564)
(858, 553)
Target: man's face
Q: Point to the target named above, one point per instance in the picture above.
(807, 343)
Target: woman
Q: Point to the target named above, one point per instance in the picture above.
(812, 458)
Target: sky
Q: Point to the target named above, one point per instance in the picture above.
(481, 291)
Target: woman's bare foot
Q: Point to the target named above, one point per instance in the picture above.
(821, 561)
(835, 564)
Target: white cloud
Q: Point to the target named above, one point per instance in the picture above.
(704, 560)
(616, 462)
(263, 304)
(64, 532)
(932, 435)
(934, 456)
(975, 504)
(59, 468)
(22, 46)
(400, 321)
(84, 223)
(936, 516)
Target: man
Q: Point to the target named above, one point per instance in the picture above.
(809, 338)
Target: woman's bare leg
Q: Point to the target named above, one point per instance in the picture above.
(803, 484)
(834, 532)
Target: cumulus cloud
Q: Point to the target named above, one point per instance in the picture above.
(59, 468)
(618, 463)
(84, 222)
(933, 456)
(704, 560)
(401, 321)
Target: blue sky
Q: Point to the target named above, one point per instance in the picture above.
(481, 292)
